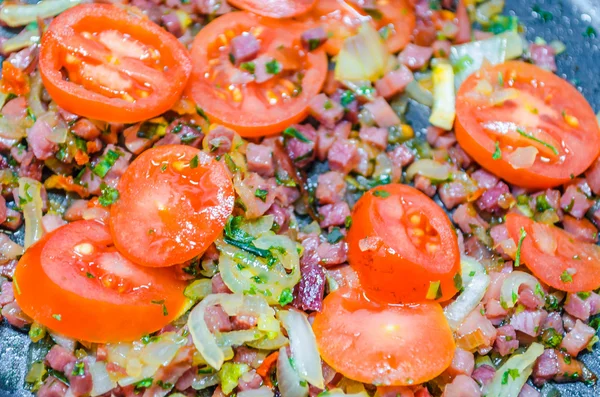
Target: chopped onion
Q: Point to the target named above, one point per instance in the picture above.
(21, 14)
(289, 382)
(24, 39)
(202, 382)
(9, 250)
(512, 375)
(544, 238)
(241, 269)
(487, 10)
(498, 97)
(416, 91)
(267, 343)
(558, 46)
(515, 44)
(101, 381)
(262, 391)
(469, 268)
(430, 169)
(509, 291)
(198, 289)
(522, 157)
(64, 341)
(340, 393)
(34, 95)
(304, 347)
(233, 304)
(364, 56)
(31, 203)
(444, 99)
(468, 58)
(57, 126)
(12, 128)
(467, 301)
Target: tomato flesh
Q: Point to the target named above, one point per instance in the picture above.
(514, 106)
(402, 245)
(174, 202)
(77, 284)
(252, 108)
(391, 345)
(555, 256)
(275, 8)
(395, 19)
(103, 62)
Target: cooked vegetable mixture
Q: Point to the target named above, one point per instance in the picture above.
(226, 199)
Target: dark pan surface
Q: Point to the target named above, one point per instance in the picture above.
(580, 64)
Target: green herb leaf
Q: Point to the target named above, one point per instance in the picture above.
(273, 67)
(497, 152)
(334, 236)
(381, 193)
(109, 195)
(143, 384)
(261, 194)
(523, 133)
(565, 277)
(519, 245)
(294, 133)
(105, 164)
(78, 369)
(347, 98)
(286, 297)
(248, 67)
(57, 317)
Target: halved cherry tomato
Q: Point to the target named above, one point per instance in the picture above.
(77, 284)
(403, 246)
(174, 202)
(251, 108)
(388, 345)
(554, 256)
(108, 63)
(395, 20)
(526, 125)
(275, 8)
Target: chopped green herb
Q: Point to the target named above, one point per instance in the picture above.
(194, 162)
(590, 32)
(515, 297)
(109, 195)
(57, 317)
(327, 105)
(584, 295)
(164, 307)
(201, 113)
(472, 273)
(434, 291)
(463, 63)
(373, 13)
(523, 133)
(539, 291)
(78, 369)
(347, 98)
(58, 375)
(105, 164)
(261, 194)
(381, 193)
(435, 5)
(551, 338)
(541, 203)
(163, 167)
(294, 133)
(164, 385)
(248, 67)
(497, 152)
(30, 114)
(458, 282)
(545, 16)
(334, 236)
(231, 58)
(522, 236)
(143, 384)
(384, 32)
(273, 67)
(348, 222)
(286, 297)
(89, 275)
(313, 44)
(565, 277)
(512, 372)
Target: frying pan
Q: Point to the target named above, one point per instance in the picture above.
(565, 20)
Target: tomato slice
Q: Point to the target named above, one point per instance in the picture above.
(403, 246)
(555, 256)
(108, 63)
(526, 125)
(174, 202)
(389, 345)
(395, 20)
(275, 8)
(251, 108)
(76, 283)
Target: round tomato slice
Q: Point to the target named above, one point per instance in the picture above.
(76, 283)
(174, 202)
(395, 20)
(275, 8)
(555, 256)
(526, 125)
(108, 63)
(389, 345)
(262, 95)
(403, 246)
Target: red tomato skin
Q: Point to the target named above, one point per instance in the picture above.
(50, 289)
(582, 258)
(275, 8)
(387, 345)
(81, 101)
(167, 217)
(397, 271)
(257, 122)
(540, 176)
